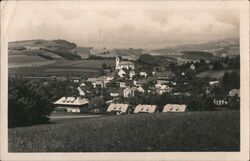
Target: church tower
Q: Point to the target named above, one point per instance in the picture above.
(117, 60)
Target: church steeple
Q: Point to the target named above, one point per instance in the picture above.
(117, 61)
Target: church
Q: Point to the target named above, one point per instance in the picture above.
(123, 64)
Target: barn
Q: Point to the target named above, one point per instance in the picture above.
(174, 108)
(146, 109)
(118, 108)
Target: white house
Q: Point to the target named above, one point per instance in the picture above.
(71, 104)
(129, 92)
(145, 109)
(174, 108)
(123, 64)
(118, 108)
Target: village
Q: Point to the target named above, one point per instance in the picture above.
(135, 87)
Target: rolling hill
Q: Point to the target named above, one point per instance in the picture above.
(40, 52)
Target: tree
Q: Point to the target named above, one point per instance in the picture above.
(98, 103)
(29, 102)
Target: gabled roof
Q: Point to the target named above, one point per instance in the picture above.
(71, 101)
(174, 108)
(117, 107)
(145, 108)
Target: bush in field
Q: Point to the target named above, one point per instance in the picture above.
(29, 102)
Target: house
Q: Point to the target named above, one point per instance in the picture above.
(118, 108)
(72, 104)
(192, 67)
(131, 74)
(220, 102)
(122, 84)
(140, 82)
(92, 80)
(140, 89)
(114, 91)
(234, 92)
(145, 109)
(129, 92)
(214, 83)
(121, 73)
(123, 64)
(143, 74)
(174, 108)
(81, 92)
(98, 82)
(82, 84)
(160, 89)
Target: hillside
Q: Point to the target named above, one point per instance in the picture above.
(191, 131)
(197, 55)
(218, 48)
(40, 52)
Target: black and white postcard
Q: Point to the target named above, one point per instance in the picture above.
(125, 80)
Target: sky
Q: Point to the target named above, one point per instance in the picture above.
(122, 28)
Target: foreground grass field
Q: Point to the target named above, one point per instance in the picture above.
(191, 131)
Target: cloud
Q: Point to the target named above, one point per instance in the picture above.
(123, 28)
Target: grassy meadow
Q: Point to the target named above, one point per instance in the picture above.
(61, 67)
(191, 131)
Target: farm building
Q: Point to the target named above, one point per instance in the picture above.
(71, 104)
(118, 108)
(145, 109)
(174, 108)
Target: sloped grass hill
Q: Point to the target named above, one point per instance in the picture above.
(191, 131)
